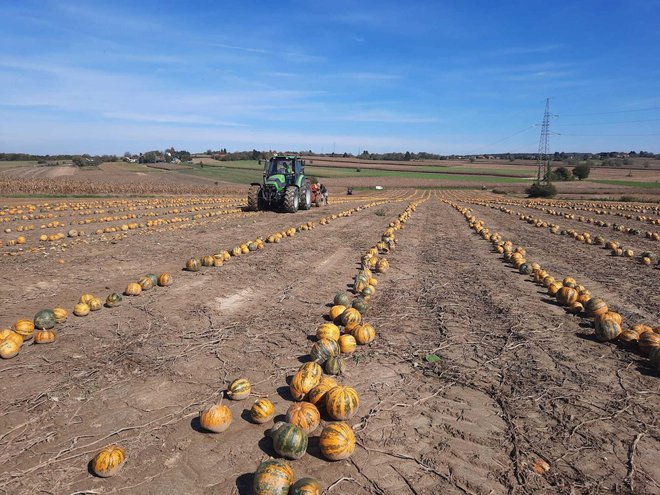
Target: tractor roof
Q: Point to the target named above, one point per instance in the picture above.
(285, 157)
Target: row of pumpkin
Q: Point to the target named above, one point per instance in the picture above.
(314, 388)
(647, 258)
(577, 299)
(42, 326)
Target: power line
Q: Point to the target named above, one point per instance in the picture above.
(608, 135)
(648, 109)
(609, 123)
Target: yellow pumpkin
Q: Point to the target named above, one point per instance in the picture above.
(81, 309)
(85, 298)
(109, 461)
(133, 289)
(24, 328)
(262, 411)
(336, 311)
(61, 315)
(95, 304)
(9, 348)
(239, 389)
(364, 334)
(305, 415)
(328, 331)
(216, 418)
(347, 344)
(7, 333)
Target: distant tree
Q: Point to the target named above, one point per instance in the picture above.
(581, 171)
(345, 155)
(562, 174)
(472, 159)
(541, 191)
(407, 157)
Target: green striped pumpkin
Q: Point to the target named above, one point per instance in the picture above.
(273, 477)
(289, 440)
(360, 304)
(337, 441)
(342, 402)
(262, 411)
(335, 365)
(306, 486)
(342, 299)
(239, 389)
(113, 300)
(323, 349)
(44, 319)
(153, 277)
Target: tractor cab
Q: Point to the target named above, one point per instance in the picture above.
(284, 185)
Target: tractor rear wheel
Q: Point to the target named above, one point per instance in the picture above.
(291, 199)
(253, 202)
(306, 196)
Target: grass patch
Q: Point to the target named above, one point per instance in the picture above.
(629, 183)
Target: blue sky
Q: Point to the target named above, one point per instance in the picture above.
(440, 76)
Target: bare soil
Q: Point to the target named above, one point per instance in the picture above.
(518, 381)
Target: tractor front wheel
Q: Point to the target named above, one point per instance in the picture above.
(291, 199)
(253, 202)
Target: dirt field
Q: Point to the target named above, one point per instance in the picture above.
(519, 381)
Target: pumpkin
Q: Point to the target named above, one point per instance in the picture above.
(216, 418)
(548, 280)
(237, 251)
(109, 461)
(306, 378)
(607, 330)
(335, 365)
(193, 265)
(289, 441)
(154, 279)
(146, 283)
(273, 477)
(133, 289)
(351, 317)
(165, 279)
(323, 349)
(239, 389)
(337, 441)
(360, 304)
(336, 311)
(262, 411)
(641, 329)
(81, 309)
(95, 304)
(85, 298)
(611, 315)
(24, 328)
(342, 402)
(44, 319)
(364, 334)
(649, 341)
(45, 336)
(569, 282)
(9, 348)
(208, 261)
(113, 300)
(306, 486)
(596, 307)
(382, 265)
(60, 314)
(7, 334)
(567, 296)
(342, 299)
(629, 337)
(347, 344)
(583, 297)
(575, 308)
(554, 287)
(316, 396)
(328, 331)
(305, 415)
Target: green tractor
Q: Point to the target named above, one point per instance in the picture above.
(284, 186)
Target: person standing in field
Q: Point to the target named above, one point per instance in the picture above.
(324, 194)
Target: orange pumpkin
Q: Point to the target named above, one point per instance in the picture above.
(351, 316)
(305, 415)
(9, 348)
(316, 396)
(165, 279)
(336, 311)
(133, 289)
(347, 344)
(45, 336)
(24, 328)
(328, 331)
(596, 306)
(567, 296)
(342, 402)
(216, 418)
(337, 441)
(364, 334)
(273, 477)
(649, 341)
(109, 461)
(306, 378)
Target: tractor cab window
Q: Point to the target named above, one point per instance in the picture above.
(280, 167)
